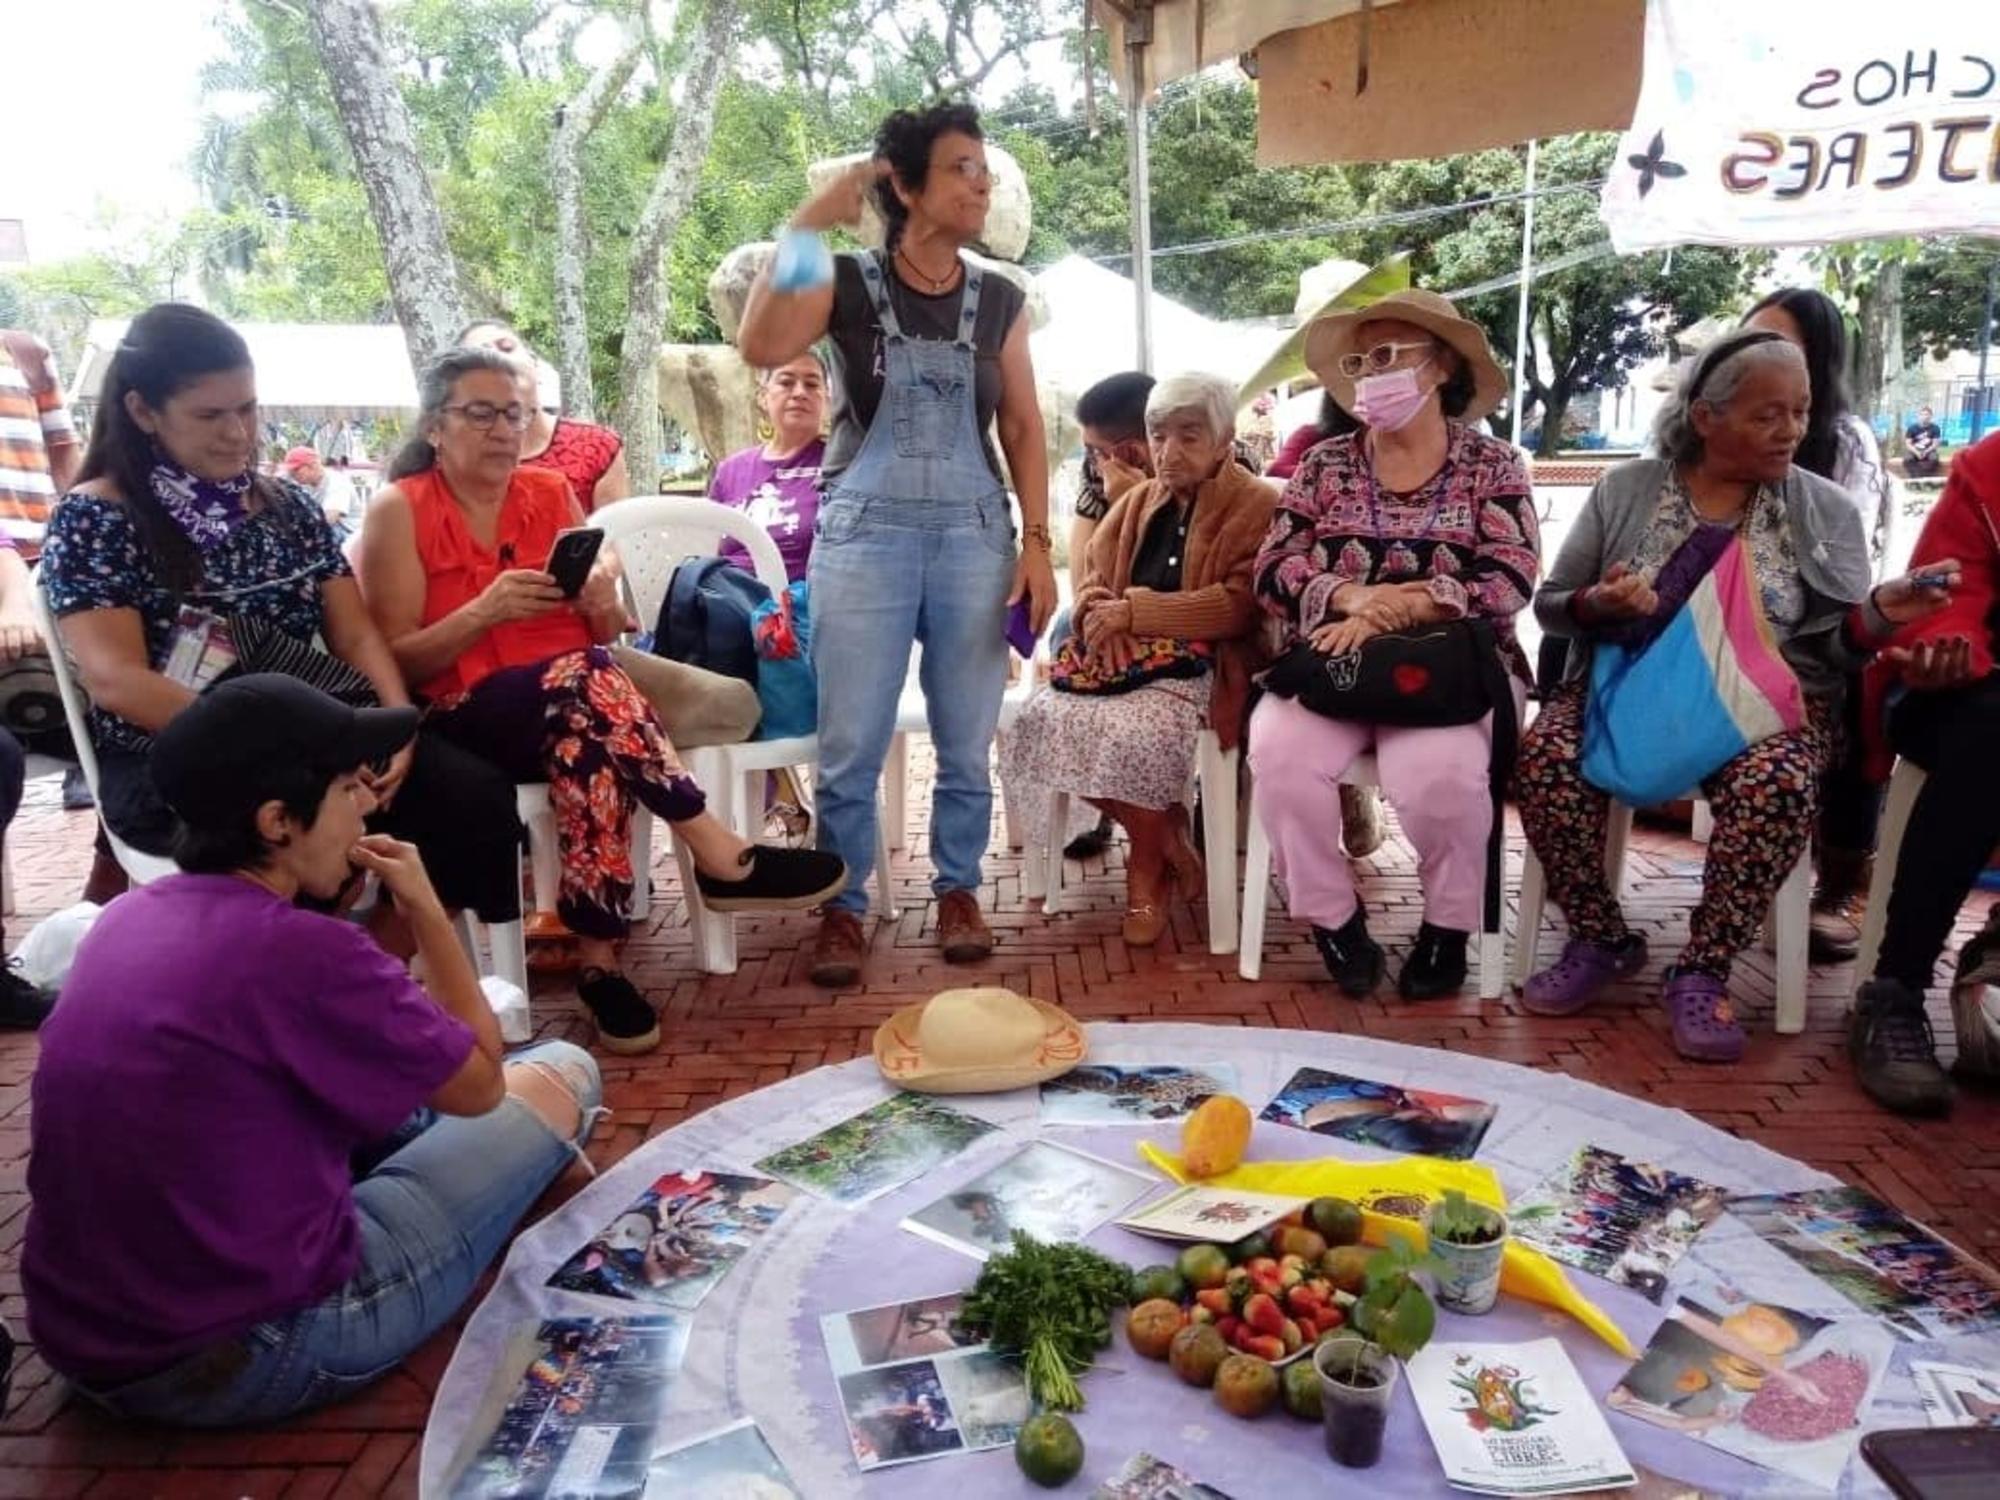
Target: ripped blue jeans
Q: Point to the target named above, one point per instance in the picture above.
(434, 1211)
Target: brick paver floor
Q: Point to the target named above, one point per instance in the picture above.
(726, 1036)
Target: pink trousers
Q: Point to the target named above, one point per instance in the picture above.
(1436, 779)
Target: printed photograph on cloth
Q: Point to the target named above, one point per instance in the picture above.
(1957, 1395)
(677, 1240)
(1772, 1385)
(735, 1463)
(1056, 1195)
(894, 1332)
(574, 1408)
(899, 1414)
(1410, 1122)
(1111, 1094)
(880, 1149)
(1886, 1264)
(1629, 1222)
(1145, 1477)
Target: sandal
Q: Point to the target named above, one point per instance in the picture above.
(1144, 922)
(1572, 981)
(1186, 870)
(1705, 1024)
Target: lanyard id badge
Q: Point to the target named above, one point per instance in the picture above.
(202, 649)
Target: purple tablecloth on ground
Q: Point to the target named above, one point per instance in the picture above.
(756, 1349)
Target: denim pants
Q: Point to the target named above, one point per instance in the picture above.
(434, 1213)
(887, 573)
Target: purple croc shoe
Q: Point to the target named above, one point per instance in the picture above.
(1572, 981)
(1705, 1024)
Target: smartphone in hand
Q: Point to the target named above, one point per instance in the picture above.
(573, 556)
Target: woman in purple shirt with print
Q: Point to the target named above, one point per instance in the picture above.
(777, 483)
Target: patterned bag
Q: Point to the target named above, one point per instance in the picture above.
(1665, 714)
(1159, 659)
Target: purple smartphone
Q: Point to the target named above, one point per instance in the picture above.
(1020, 630)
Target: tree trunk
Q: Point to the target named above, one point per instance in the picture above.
(673, 189)
(576, 121)
(423, 278)
(1879, 356)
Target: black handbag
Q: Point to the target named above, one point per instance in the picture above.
(263, 647)
(1434, 676)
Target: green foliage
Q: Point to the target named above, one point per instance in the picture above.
(1051, 1304)
(1457, 1220)
(1394, 1311)
(1944, 294)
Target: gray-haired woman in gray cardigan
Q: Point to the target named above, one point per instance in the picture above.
(1726, 442)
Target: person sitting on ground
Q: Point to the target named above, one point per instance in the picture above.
(171, 553)
(1839, 446)
(776, 483)
(1414, 518)
(1942, 693)
(1726, 441)
(590, 457)
(332, 490)
(1171, 559)
(453, 556)
(313, 1156)
(1920, 445)
(22, 1006)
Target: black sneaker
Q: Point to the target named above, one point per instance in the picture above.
(775, 879)
(1436, 965)
(1091, 842)
(1351, 956)
(1889, 1042)
(22, 1006)
(76, 791)
(625, 1022)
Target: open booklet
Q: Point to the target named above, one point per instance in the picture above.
(1514, 1419)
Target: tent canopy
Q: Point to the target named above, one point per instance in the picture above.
(1340, 80)
(313, 371)
(1089, 334)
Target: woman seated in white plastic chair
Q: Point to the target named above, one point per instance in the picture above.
(1164, 598)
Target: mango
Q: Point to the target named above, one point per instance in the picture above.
(1215, 1136)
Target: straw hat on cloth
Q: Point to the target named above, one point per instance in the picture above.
(977, 1041)
(1328, 338)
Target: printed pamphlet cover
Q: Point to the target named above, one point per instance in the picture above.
(1887, 1265)
(735, 1463)
(1627, 1221)
(678, 1240)
(1111, 1094)
(878, 1150)
(1412, 1122)
(573, 1409)
(1205, 1213)
(913, 1387)
(1957, 1395)
(1778, 1387)
(1514, 1419)
(1145, 1477)
(1054, 1194)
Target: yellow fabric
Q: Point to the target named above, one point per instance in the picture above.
(1391, 1195)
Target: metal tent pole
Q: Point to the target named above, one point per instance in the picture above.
(1138, 35)
(1521, 316)
(1984, 409)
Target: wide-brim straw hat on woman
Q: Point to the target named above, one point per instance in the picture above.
(977, 1041)
(1328, 338)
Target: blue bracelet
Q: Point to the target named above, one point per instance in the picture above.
(802, 264)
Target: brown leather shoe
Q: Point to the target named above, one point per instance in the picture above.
(963, 936)
(838, 949)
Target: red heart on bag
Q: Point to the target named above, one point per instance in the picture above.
(1410, 678)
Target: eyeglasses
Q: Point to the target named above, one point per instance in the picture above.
(1378, 359)
(972, 169)
(483, 414)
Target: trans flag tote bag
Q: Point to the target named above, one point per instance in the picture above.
(1666, 713)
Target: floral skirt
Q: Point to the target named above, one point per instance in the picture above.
(1135, 747)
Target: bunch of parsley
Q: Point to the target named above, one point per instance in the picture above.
(1051, 1305)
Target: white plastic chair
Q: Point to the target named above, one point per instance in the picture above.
(1490, 950)
(140, 867)
(913, 718)
(1215, 773)
(654, 534)
(1904, 783)
(1791, 913)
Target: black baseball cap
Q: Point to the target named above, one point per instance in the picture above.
(216, 758)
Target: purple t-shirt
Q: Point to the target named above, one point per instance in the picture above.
(780, 495)
(216, 1054)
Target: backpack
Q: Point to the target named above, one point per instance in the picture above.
(705, 620)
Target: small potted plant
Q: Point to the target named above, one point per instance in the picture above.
(1467, 1241)
(1392, 1319)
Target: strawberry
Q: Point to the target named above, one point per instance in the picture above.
(1215, 1299)
(1228, 1326)
(1300, 1301)
(1265, 1346)
(1294, 1336)
(1263, 1265)
(1263, 1315)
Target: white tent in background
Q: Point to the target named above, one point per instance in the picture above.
(306, 372)
(1090, 333)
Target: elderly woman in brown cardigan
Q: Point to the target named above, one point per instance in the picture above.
(1171, 560)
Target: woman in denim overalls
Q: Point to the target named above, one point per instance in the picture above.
(915, 540)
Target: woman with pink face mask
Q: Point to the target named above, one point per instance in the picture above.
(1418, 518)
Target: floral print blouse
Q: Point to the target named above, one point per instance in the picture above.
(271, 568)
(1767, 537)
(1470, 532)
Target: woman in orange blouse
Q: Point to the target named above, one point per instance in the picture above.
(453, 567)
